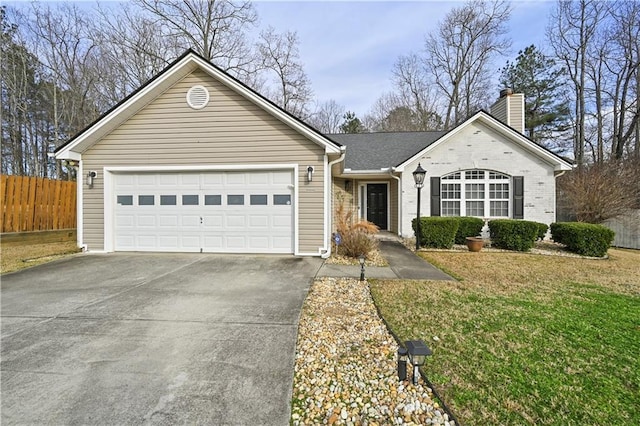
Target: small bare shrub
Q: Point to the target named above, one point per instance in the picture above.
(597, 192)
(357, 234)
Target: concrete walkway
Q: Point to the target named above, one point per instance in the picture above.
(403, 264)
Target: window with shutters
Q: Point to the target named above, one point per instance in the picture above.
(479, 193)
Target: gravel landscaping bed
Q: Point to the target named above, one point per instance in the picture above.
(345, 367)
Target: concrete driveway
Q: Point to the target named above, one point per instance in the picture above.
(152, 338)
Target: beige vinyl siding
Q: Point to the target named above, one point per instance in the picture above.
(499, 110)
(230, 130)
(393, 203)
(347, 198)
(516, 111)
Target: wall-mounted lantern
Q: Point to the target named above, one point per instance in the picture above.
(91, 175)
(310, 174)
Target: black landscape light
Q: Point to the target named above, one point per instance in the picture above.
(402, 364)
(418, 353)
(418, 178)
(361, 259)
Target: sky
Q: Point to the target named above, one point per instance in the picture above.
(349, 47)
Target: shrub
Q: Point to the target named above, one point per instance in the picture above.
(542, 230)
(585, 239)
(356, 235)
(511, 234)
(354, 243)
(437, 232)
(468, 227)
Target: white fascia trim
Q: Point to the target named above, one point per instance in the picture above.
(69, 155)
(108, 189)
(79, 208)
(329, 146)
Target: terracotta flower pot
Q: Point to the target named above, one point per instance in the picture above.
(475, 243)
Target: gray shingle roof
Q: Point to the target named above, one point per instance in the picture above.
(374, 151)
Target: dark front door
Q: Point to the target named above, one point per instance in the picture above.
(377, 204)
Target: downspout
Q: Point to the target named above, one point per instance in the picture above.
(391, 170)
(327, 253)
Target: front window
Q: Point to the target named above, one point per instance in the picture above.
(479, 193)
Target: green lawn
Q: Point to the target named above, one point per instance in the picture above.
(527, 339)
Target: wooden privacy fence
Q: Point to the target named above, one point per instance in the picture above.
(36, 204)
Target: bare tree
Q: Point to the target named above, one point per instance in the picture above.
(132, 49)
(571, 31)
(63, 43)
(459, 55)
(279, 54)
(601, 191)
(415, 93)
(328, 117)
(216, 29)
(624, 66)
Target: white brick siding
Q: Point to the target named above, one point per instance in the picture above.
(478, 146)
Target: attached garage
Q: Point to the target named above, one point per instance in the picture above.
(195, 161)
(210, 212)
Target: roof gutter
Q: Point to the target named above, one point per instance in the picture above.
(329, 213)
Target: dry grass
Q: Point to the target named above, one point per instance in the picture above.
(507, 273)
(525, 338)
(15, 257)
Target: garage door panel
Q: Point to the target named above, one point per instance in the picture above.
(146, 221)
(259, 221)
(236, 221)
(190, 221)
(125, 221)
(259, 179)
(236, 242)
(281, 178)
(212, 180)
(147, 241)
(237, 212)
(213, 221)
(168, 221)
(236, 179)
(259, 242)
(281, 221)
(147, 181)
(213, 243)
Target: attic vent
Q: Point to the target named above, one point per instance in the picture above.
(198, 97)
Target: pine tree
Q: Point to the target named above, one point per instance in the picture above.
(537, 76)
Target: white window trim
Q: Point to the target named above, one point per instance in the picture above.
(487, 201)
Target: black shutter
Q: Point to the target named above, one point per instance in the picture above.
(435, 196)
(518, 197)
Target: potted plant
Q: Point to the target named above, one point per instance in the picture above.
(474, 243)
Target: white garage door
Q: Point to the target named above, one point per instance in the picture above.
(216, 212)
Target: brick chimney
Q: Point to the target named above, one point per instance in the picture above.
(509, 108)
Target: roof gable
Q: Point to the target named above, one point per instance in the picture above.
(184, 65)
(508, 132)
